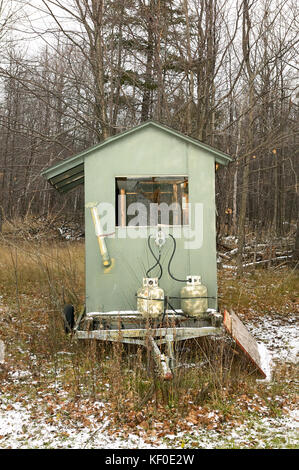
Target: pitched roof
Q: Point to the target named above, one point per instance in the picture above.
(69, 173)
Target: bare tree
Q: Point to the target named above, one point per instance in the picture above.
(221, 71)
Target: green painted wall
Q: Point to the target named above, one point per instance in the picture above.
(147, 152)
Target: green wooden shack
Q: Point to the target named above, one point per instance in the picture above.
(145, 167)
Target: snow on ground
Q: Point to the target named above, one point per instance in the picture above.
(263, 433)
(280, 337)
(24, 425)
(278, 340)
(20, 430)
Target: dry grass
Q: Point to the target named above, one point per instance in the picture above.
(260, 291)
(36, 279)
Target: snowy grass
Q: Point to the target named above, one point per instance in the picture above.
(56, 393)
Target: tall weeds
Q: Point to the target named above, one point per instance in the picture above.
(36, 280)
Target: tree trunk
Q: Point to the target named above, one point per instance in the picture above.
(296, 250)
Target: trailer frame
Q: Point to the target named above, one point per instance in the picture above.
(131, 327)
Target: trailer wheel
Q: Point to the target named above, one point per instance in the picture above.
(69, 318)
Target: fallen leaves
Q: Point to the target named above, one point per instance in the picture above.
(62, 390)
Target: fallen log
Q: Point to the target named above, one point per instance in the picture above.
(225, 256)
(278, 258)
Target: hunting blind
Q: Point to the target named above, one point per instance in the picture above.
(150, 237)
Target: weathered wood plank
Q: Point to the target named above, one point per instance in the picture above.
(243, 338)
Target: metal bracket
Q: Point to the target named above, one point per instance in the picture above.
(161, 360)
(216, 319)
(160, 238)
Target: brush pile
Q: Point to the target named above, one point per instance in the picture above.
(274, 251)
(44, 227)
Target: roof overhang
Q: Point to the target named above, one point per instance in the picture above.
(66, 175)
(69, 174)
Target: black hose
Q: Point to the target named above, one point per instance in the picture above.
(148, 298)
(157, 260)
(170, 260)
(193, 297)
(177, 313)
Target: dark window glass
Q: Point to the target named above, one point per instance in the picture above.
(149, 201)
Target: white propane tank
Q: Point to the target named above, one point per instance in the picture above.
(191, 302)
(150, 298)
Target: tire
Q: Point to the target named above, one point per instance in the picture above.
(69, 318)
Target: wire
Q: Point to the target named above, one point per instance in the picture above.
(170, 260)
(157, 260)
(177, 313)
(193, 297)
(148, 298)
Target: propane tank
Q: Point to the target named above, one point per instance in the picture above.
(150, 298)
(191, 302)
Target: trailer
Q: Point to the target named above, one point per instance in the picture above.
(130, 328)
(150, 239)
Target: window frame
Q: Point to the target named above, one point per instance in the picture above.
(122, 227)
